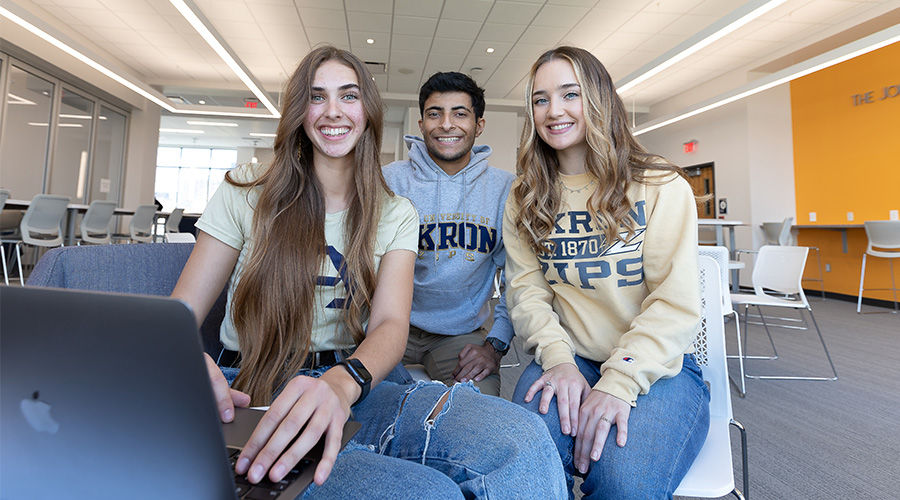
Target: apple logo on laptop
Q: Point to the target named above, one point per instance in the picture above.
(37, 413)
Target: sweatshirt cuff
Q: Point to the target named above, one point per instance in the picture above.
(556, 354)
(502, 331)
(618, 385)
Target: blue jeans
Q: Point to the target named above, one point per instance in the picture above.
(666, 430)
(476, 447)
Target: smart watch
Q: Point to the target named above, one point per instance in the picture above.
(360, 375)
(499, 345)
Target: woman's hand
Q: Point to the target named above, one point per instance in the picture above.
(569, 386)
(226, 397)
(599, 412)
(316, 407)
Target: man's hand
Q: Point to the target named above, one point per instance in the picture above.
(477, 362)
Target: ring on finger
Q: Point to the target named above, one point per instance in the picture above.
(549, 384)
(607, 420)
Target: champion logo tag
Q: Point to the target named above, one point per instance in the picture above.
(628, 359)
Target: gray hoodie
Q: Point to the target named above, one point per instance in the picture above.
(460, 240)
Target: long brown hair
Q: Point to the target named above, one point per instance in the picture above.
(273, 307)
(614, 156)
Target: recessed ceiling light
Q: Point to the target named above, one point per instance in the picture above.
(260, 134)
(405, 71)
(476, 71)
(370, 41)
(202, 102)
(490, 50)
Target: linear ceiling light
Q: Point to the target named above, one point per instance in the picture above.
(192, 14)
(260, 134)
(854, 49)
(716, 31)
(211, 124)
(82, 57)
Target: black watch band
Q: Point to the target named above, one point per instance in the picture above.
(499, 345)
(360, 375)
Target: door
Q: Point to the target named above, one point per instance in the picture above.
(702, 180)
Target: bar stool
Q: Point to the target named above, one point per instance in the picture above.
(884, 234)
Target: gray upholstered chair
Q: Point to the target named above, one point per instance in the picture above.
(138, 269)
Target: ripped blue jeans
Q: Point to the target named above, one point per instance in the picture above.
(475, 446)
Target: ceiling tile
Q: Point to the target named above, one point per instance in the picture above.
(143, 22)
(323, 18)
(364, 21)
(277, 14)
(528, 51)
(461, 30)
(370, 54)
(582, 3)
(418, 26)
(466, 10)
(410, 43)
(648, 22)
(688, 25)
(543, 35)
(370, 6)
(604, 19)
(495, 32)
(560, 16)
(320, 4)
(674, 6)
(226, 10)
(450, 46)
(405, 59)
(418, 8)
(338, 38)
(239, 29)
(717, 7)
(95, 17)
(586, 39)
(513, 13)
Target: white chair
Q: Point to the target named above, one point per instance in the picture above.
(4, 195)
(720, 255)
(712, 473)
(883, 234)
(95, 223)
(174, 220)
(180, 238)
(140, 229)
(779, 269)
(779, 233)
(41, 226)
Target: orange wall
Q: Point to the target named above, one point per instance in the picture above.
(847, 159)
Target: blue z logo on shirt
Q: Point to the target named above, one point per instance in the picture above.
(337, 260)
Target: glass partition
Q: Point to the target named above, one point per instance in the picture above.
(26, 132)
(71, 158)
(109, 156)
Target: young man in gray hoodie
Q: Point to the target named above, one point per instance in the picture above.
(460, 201)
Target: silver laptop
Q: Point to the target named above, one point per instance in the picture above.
(106, 396)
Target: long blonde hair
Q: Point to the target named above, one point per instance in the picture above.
(614, 156)
(273, 307)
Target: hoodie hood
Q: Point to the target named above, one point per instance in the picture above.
(427, 170)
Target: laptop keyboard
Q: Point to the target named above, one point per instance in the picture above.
(265, 489)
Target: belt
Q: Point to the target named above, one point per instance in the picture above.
(313, 360)
(324, 358)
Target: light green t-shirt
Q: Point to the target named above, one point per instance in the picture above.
(229, 218)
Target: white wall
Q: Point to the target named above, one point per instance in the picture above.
(751, 144)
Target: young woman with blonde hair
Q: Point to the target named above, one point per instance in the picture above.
(603, 287)
(320, 255)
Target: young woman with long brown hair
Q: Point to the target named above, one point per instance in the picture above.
(320, 255)
(603, 287)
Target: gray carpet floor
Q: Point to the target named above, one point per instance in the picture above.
(813, 439)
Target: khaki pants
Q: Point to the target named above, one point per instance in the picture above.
(439, 354)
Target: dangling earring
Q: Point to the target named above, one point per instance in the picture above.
(299, 149)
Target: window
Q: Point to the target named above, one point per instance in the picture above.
(187, 177)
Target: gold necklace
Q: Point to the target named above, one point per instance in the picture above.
(567, 188)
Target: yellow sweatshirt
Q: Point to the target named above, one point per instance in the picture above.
(633, 306)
